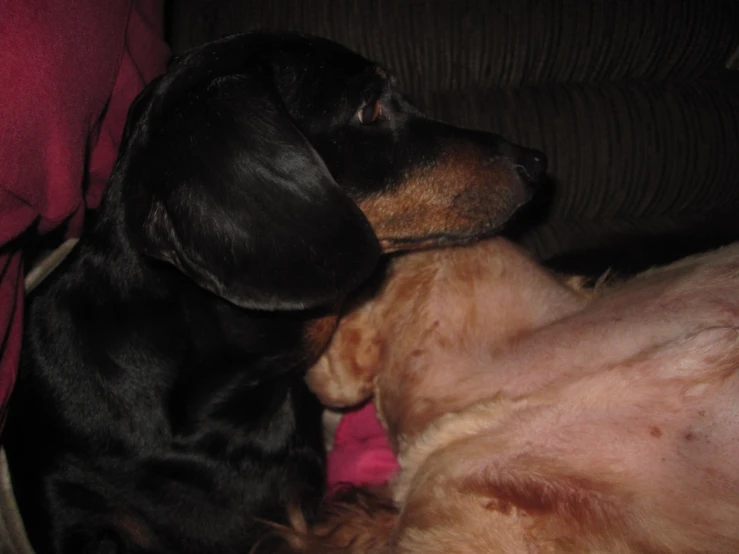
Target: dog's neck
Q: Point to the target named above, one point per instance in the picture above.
(451, 314)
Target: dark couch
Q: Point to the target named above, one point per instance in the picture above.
(633, 101)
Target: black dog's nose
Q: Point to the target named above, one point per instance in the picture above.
(532, 166)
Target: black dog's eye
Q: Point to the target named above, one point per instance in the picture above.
(369, 113)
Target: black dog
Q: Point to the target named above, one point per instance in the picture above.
(160, 406)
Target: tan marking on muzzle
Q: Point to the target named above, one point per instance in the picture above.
(463, 194)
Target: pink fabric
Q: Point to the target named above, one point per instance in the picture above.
(361, 454)
(68, 73)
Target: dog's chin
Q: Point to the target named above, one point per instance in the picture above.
(457, 237)
(402, 244)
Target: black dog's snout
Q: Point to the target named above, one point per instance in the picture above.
(532, 165)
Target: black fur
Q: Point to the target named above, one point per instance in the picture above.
(160, 406)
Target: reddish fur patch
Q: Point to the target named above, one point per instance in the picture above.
(571, 512)
(355, 522)
(345, 375)
(137, 531)
(574, 499)
(318, 333)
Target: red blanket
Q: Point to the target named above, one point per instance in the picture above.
(361, 455)
(68, 72)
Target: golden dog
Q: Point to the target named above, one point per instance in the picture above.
(530, 416)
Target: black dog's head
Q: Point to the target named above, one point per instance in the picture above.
(246, 163)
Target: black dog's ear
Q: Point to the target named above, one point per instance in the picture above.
(219, 182)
